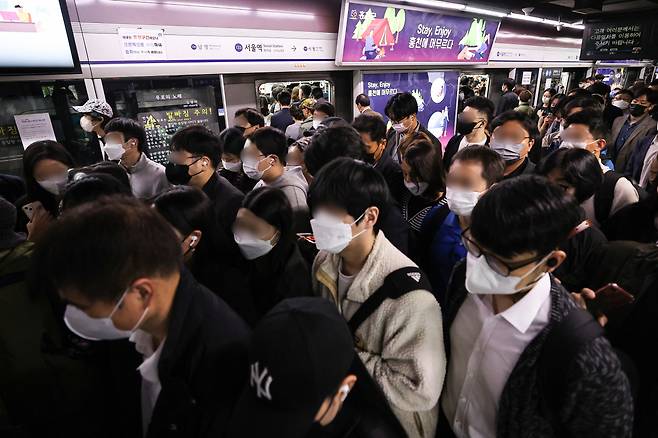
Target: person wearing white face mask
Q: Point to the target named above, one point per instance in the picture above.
(322, 111)
(193, 345)
(45, 172)
(263, 231)
(622, 100)
(96, 113)
(546, 98)
(125, 141)
(264, 160)
(513, 135)
(232, 145)
(402, 110)
(398, 339)
(506, 309)
(474, 170)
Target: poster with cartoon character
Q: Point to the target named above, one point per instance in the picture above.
(389, 34)
(434, 91)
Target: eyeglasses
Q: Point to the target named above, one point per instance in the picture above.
(494, 262)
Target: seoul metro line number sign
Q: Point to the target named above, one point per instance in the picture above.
(380, 33)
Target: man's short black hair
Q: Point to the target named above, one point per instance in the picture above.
(599, 77)
(110, 168)
(400, 106)
(325, 107)
(198, 141)
(284, 97)
(580, 92)
(91, 187)
(362, 100)
(529, 125)
(372, 125)
(651, 95)
(270, 141)
(524, 214)
(317, 93)
(331, 143)
(297, 113)
(135, 242)
(591, 118)
(627, 92)
(253, 116)
(306, 91)
(493, 166)
(232, 141)
(599, 88)
(130, 129)
(582, 102)
(579, 168)
(509, 83)
(482, 104)
(350, 185)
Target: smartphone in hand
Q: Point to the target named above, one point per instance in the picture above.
(609, 299)
(30, 208)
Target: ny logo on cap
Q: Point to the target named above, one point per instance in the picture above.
(261, 381)
(414, 275)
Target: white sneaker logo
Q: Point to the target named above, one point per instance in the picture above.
(415, 276)
(262, 381)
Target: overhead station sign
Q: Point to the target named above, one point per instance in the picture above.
(380, 33)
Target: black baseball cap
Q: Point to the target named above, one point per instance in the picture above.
(299, 354)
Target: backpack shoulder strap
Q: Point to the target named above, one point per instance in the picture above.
(561, 347)
(605, 196)
(396, 284)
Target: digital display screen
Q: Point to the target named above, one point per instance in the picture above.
(36, 37)
(375, 33)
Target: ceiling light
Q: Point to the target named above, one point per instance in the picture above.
(485, 12)
(438, 4)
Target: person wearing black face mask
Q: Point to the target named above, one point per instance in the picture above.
(372, 130)
(471, 129)
(629, 130)
(195, 156)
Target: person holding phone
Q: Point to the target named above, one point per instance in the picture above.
(503, 306)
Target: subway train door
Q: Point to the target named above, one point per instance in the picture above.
(245, 90)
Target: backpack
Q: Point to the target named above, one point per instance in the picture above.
(396, 284)
(605, 195)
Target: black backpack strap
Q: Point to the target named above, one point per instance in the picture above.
(396, 284)
(561, 347)
(605, 196)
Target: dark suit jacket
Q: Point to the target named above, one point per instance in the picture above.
(202, 367)
(646, 126)
(507, 102)
(282, 119)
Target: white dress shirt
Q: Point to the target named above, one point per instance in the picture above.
(485, 348)
(463, 143)
(625, 194)
(149, 371)
(652, 152)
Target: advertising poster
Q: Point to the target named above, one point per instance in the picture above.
(435, 91)
(391, 35)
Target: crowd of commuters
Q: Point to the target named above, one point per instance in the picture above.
(303, 276)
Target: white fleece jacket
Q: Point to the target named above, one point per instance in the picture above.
(401, 344)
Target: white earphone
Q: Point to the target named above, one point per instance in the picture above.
(193, 241)
(344, 391)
